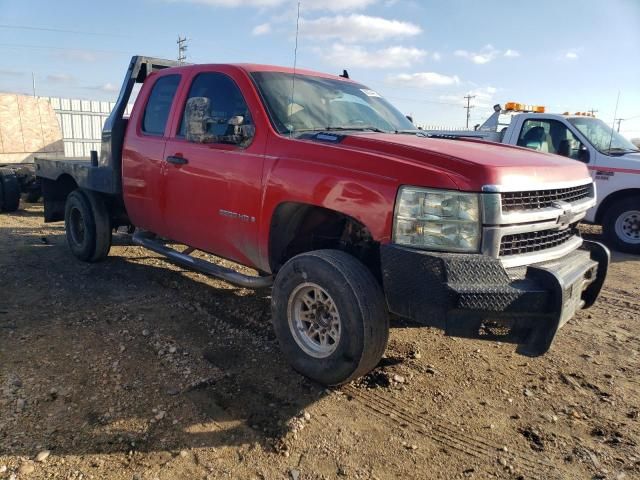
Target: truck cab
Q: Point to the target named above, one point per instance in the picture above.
(612, 160)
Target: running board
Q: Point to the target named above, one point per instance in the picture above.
(147, 240)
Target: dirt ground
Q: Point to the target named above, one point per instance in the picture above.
(136, 369)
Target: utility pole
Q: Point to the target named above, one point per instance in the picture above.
(182, 49)
(592, 112)
(468, 107)
(619, 120)
(33, 83)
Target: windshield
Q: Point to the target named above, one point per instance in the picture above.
(602, 136)
(325, 104)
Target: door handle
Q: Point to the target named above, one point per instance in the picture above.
(177, 160)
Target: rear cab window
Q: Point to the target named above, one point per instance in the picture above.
(156, 112)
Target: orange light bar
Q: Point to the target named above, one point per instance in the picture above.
(521, 107)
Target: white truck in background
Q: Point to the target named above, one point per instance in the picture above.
(612, 160)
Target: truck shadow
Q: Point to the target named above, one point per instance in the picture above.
(147, 358)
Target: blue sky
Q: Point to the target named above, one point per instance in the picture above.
(424, 56)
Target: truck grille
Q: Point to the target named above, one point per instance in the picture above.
(519, 243)
(536, 199)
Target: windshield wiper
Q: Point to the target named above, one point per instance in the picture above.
(414, 131)
(339, 129)
(366, 128)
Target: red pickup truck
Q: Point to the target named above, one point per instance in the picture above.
(343, 208)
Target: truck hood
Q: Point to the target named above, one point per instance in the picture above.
(472, 164)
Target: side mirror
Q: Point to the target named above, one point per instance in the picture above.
(197, 119)
(583, 153)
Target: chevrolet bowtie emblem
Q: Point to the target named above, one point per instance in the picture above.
(567, 214)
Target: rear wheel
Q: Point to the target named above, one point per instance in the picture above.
(621, 225)
(329, 316)
(10, 190)
(33, 195)
(87, 225)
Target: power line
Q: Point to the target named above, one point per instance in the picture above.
(59, 30)
(51, 47)
(469, 106)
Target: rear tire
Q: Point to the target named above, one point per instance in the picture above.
(10, 190)
(87, 225)
(33, 196)
(329, 316)
(621, 225)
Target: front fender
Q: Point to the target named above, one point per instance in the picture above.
(367, 197)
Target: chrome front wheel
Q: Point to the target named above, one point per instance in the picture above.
(314, 320)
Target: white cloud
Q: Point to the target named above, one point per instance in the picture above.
(571, 55)
(77, 56)
(106, 87)
(60, 78)
(423, 79)
(10, 73)
(261, 29)
(354, 28)
(234, 3)
(331, 5)
(338, 5)
(436, 56)
(486, 54)
(483, 97)
(347, 56)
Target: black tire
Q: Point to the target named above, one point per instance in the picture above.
(359, 301)
(10, 190)
(87, 225)
(33, 196)
(625, 212)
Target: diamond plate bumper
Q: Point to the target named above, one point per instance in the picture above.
(473, 296)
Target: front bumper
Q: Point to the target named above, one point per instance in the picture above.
(474, 296)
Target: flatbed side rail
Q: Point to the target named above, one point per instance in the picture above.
(105, 175)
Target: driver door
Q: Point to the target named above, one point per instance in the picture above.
(212, 190)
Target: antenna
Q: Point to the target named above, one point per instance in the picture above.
(615, 114)
(182, 49)
(295, 63)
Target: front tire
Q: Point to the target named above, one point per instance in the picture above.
(10, 190)
(87, 225)
(621, 225)
(329, 316)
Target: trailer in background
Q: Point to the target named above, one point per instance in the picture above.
(51, 127)
(28, 127)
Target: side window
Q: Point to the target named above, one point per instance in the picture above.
(158, 106)
(225, 102)
(550, 136)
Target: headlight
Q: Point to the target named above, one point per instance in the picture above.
(437, 219)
